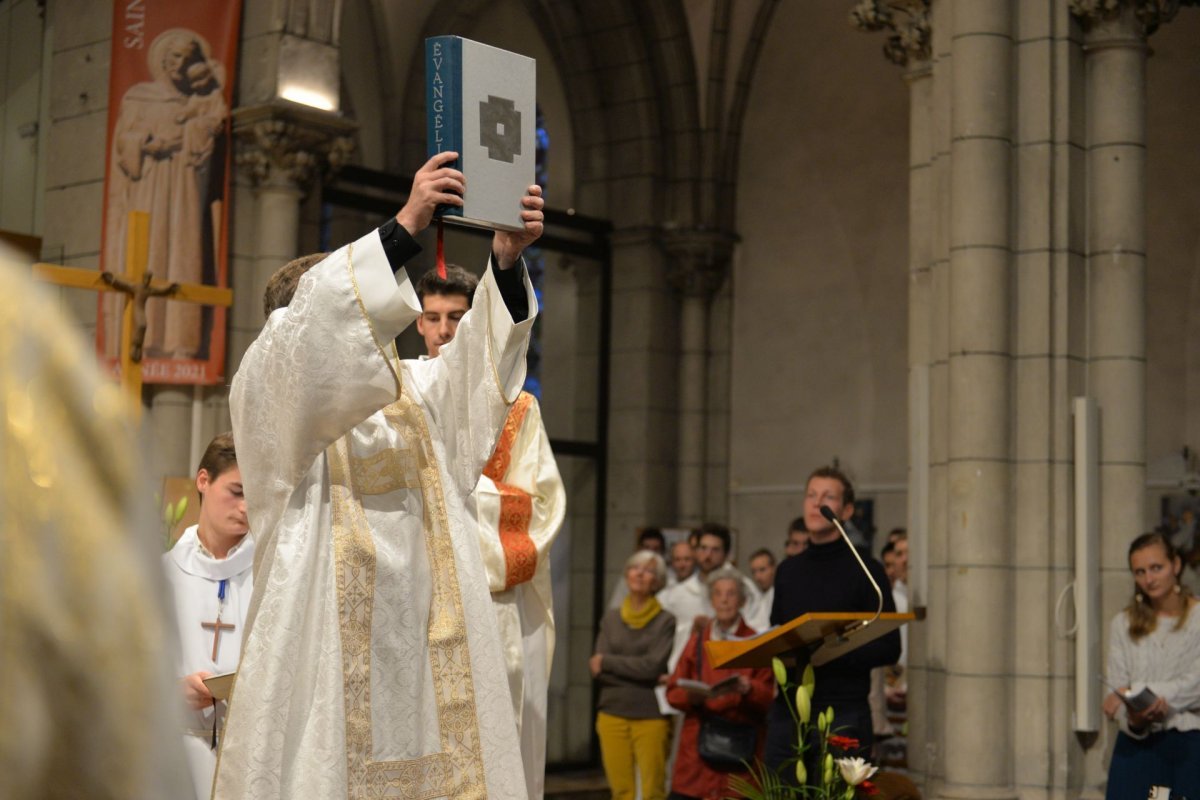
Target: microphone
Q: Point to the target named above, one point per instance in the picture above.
(828, 514)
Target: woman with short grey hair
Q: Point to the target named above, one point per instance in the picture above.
(631, 653)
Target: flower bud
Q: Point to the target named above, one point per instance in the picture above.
(801, 772)
(803, 705)
(780, 671)
(809, 680)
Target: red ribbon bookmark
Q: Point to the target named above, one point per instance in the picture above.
(441, 252)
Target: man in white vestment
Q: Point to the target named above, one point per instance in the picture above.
(518, 510)
(372, 664)
(210, 573)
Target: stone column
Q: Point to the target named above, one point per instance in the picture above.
(699, 264)
(909, 45)
(283, 149)
(1115, 58)
(1115, 52)
(977, 759)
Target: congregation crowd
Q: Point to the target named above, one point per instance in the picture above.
(659, 693)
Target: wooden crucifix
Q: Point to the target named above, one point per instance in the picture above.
(216, 627)
(138, 285)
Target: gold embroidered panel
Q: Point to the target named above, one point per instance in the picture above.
(457, 771)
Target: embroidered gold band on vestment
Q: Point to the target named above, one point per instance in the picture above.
(457, 771)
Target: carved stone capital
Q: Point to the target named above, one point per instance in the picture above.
(285, 145)
(699, 259)
(908, 21)
(1149, 13)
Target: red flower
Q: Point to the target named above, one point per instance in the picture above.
(843, 742)
(868, 788)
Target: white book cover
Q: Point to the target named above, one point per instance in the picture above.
(481, 101)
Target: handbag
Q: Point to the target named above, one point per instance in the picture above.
(724, 744)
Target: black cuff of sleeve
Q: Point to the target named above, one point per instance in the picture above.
(511, 283)
(398, 245)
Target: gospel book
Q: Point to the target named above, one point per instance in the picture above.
(480, 102)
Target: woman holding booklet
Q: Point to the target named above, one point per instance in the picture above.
(720, 705)
(1154, 663)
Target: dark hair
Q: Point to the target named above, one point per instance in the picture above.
(798, 524)
(1142, 617)
(282, 284)
(457, 281)
(762, 551)
(218, 458)
(890, 547)
(718, 530)
(651, 533)
(837, 475)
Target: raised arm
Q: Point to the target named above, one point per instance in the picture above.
(321, 365)
(477, 376)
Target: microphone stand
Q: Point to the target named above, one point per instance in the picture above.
(828, 514)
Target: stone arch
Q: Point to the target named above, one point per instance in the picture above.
(368, 94)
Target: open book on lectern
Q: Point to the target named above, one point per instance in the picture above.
(833, 633)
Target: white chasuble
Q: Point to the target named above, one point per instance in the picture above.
(519, 507)
(372, 666)
(200, 606)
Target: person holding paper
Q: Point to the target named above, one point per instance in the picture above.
(631, 653)
(210, 572)
(372, 665)
(699, 690)
(1154, 663)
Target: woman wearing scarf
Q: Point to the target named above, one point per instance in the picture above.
(631, 653)
(738, 695)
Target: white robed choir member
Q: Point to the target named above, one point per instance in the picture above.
(211, 599)
(372, 666)
(519, 507)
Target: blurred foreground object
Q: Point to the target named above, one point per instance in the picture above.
(83, 678)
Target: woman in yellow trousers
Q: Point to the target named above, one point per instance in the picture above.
(631, 653)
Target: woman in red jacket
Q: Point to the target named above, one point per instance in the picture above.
(743, 700)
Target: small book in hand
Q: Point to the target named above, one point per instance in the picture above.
(1138, 702)
(1134, 702)
(707, 690)
(220, 685)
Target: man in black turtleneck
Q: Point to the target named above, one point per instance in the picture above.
(827, 577)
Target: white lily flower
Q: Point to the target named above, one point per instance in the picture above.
(855, 770)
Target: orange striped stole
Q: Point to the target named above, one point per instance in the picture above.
(516, 505)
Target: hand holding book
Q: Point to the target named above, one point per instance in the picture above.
(1142, 708)
(702, 689)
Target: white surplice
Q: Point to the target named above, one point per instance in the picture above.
(195, 576)
(372, 665)
(519, 507)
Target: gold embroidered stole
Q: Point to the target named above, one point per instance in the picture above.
(516, 506)
(458, 770)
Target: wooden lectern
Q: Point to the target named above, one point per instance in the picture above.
(832, 634)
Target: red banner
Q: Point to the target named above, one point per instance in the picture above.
(169, 150)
